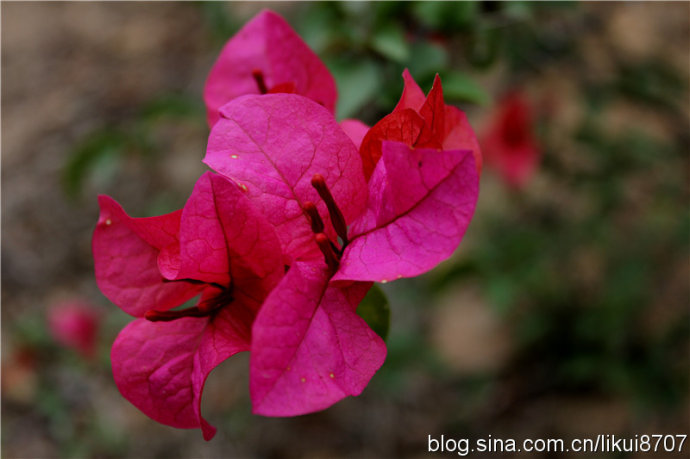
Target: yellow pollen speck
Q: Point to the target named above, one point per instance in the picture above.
(332, 375)
(383, 281)
(108, 222)
(234, 156)
(303, 380)
(243, 186)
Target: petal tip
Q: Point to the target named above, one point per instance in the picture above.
(207, 430)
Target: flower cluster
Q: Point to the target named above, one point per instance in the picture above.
(284, 240)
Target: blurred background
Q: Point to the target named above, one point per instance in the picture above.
(564, 313)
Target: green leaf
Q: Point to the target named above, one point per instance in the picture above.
(426, 58)
(375, 311)
(218, 20)
(358, 82)
(502, 293)
(518, 9)
(459, 86)
(653, 82)
(389, 41)
(484, 47)
(448, 16)
(319, 26)
(175, 106)
(98, 148)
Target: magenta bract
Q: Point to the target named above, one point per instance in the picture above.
(355, 130)
(126, 252)
(218, 246)
(420, 203)
(265, 56)
(309, 347)
(272, 145)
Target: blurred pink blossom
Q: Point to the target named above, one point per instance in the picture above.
(508, 142)
(75, 324)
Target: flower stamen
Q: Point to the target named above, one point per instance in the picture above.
(314, 217)
(327, 249)
(168, 316)
(337, 218)
(206, 308)
(259, 78)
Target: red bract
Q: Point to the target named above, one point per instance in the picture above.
(217, 246)
(509, 143)
(75, 324)
(309, 348)
(420, 122)
(267, 56)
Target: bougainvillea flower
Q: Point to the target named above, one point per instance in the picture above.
(420, 122)
(267, 56)
(75, 324)
(309, 348)
(509, 143)
(219, 247)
